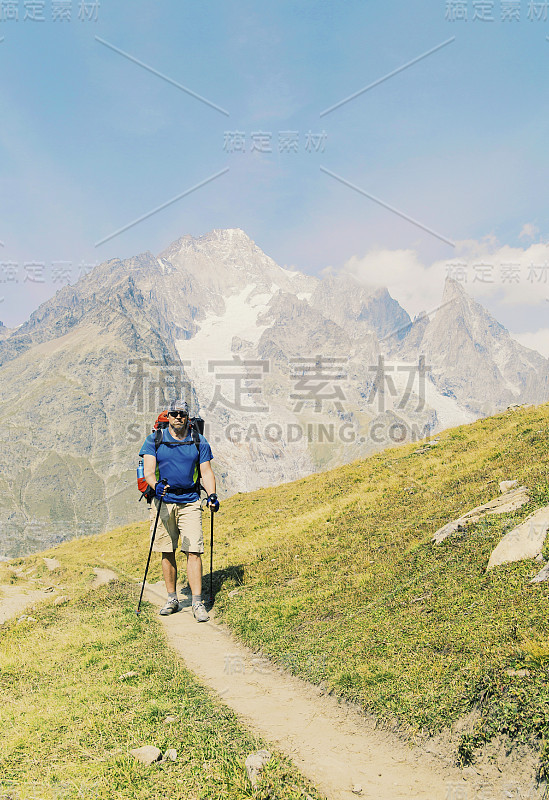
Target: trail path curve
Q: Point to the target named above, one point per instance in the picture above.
(332, 743)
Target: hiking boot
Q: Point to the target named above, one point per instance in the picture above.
(170, 608)
(200, 613)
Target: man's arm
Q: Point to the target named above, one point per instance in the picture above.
(206, 473)
(149, 466)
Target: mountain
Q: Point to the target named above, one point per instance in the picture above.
(223, 260)
(361, 310)
(65, 469)
(473, 358)
(292, 374)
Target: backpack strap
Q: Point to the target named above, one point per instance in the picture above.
(196, 439)
(158, 438)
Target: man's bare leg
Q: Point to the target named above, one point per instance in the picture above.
(194, 573)
(169, 571)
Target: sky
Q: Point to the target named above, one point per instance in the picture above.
(400, 141)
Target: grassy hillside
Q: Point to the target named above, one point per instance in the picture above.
(83, 683)
(340, 582)
(335, 577)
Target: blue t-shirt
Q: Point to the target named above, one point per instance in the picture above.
(177, 461)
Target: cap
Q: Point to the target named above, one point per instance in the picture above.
(179, 405)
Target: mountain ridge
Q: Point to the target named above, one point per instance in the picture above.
(132, 332)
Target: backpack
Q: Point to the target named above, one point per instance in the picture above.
(196, 427)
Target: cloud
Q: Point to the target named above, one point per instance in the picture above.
(518, 276)
(515, 276)
(538, 340)
(528, 231)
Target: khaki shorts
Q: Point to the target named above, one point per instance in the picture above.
(177, 520)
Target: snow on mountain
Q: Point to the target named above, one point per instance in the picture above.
(448, 411)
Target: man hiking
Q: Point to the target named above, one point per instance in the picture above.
(181, 463)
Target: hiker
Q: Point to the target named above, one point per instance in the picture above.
(183, 463)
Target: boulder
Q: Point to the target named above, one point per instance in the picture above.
(509, 501)
(542, 575)
(524, 541)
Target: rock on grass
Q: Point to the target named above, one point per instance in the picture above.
(254, 764)
(147, 754)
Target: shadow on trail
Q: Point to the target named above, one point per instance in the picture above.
(234, 573)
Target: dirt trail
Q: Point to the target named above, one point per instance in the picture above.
(332, 743)
(335, 746)
(103, 576)
(14, 599)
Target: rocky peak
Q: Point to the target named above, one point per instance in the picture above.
(228, 236)
(360, 309)
(297, 329)
(458, 309)
(453, 291)
(226, 261)
(475, 359)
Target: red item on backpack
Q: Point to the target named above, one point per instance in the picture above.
(146, 491)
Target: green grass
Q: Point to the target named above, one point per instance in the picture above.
(68, 720)
(346, 588)
(339, 582)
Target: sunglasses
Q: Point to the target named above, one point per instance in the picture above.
(180, 414)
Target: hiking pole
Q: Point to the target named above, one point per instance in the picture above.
(211, 552)
(151, 547)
